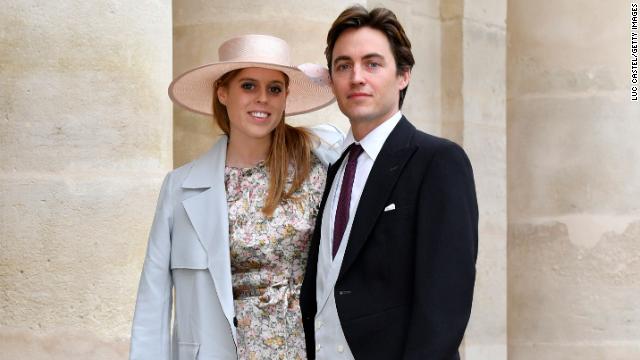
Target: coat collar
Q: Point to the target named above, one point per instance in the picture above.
(207, 212)
(208, 170)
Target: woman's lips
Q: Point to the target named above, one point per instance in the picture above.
(259, 115)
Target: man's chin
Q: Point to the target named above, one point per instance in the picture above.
(359, 115)
(362, 117)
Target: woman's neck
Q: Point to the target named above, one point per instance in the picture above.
(248, 152)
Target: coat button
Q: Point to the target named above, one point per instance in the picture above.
(340, 348)
(235, 321)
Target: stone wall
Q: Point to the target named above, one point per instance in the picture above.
(574, 182)
(536, 88)
(474, 76)
(85, 139)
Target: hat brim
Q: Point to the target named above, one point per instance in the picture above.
(193, 90)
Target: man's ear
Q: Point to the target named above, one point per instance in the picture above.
(404, 79)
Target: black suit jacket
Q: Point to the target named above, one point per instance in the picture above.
(406, 283)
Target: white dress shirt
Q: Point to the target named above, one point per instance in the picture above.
(329, 337)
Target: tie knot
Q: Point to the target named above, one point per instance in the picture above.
(355, 151)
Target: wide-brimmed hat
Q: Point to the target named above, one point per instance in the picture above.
(309, 84)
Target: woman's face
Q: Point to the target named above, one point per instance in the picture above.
(255, 99)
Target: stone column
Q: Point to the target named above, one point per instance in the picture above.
(421, 21)
(85, 139)
(474, 115)
(574, 182)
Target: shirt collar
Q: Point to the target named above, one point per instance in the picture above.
(373, 141)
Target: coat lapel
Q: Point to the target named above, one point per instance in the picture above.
(385, 172)
(207, 212)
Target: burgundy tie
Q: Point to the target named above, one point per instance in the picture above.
(342, 211)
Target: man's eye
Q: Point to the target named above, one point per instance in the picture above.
(374, 65)
(342, 67)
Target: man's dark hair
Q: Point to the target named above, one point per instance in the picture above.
(380, 19)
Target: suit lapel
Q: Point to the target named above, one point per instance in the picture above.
(385, 172)
(331, 174)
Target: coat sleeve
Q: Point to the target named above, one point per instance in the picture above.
(151, 334)
(446, 251)
(327, 147)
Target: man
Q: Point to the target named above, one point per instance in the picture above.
(391, 266)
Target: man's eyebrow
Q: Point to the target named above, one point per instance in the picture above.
(366, 57)
(373, 55)
(341, 58)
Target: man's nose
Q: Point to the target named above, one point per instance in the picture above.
(357, 76)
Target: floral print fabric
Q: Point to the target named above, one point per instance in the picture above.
(268, 260)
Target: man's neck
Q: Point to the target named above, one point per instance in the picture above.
(362, 128)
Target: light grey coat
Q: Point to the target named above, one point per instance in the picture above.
(188, 254)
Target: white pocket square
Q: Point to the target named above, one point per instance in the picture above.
(390, 207)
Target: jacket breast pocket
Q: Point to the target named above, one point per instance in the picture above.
(186, 249)
(398, 214)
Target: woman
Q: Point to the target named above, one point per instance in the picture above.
(232, 228)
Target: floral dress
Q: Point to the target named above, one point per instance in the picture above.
(268, 260)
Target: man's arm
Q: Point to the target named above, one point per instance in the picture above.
(446, 250)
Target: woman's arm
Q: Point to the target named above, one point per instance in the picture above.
(151, 333)
(327, 147)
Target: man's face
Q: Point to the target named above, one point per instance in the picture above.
(363, 75)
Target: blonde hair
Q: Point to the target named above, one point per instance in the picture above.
(289, 145)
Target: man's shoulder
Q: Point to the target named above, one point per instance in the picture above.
(431, 149)
(431, 143)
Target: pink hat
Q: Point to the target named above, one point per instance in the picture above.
(309, 84)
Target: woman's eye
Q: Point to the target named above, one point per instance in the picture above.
(275, 89)
(247, 86)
